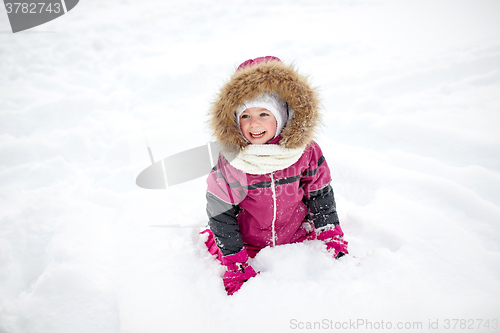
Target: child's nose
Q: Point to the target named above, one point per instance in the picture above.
(254, 122)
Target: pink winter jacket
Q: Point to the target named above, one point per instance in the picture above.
(284, 206)
(252, 211)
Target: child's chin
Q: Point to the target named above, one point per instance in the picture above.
(259, 141)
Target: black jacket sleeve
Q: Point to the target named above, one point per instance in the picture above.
(323, 208)
(222, 221)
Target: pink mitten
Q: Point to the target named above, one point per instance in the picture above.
(334, 241)
(238, 271)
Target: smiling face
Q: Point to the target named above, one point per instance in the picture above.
(258, 125)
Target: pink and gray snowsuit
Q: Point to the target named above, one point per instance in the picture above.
(282, 207)
(272, 194)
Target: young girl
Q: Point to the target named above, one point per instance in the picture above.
(277, 188)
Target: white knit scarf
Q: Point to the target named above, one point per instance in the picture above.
(263, 159)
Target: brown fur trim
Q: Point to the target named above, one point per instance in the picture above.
(272, 77)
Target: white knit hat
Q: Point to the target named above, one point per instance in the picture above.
(272, 103)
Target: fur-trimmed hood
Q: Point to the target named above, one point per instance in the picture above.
(273, 77)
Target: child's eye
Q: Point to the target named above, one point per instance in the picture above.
(264, 114)
(245, 116)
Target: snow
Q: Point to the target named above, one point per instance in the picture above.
(410, 92)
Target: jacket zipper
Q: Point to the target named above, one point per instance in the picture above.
(274, 213)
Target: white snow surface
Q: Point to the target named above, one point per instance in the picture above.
(411, 98)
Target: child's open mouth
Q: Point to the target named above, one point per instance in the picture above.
(258, 134)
